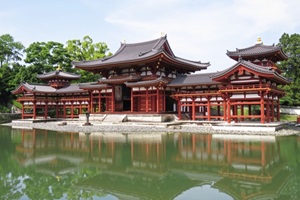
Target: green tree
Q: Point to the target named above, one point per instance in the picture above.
(5, 76)
(10, 51)
(43, 56)
(291, 67)
(87, 50)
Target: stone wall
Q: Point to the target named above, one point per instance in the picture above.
(290, 110)
(8, 117)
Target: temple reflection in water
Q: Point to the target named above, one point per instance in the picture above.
(160, 166)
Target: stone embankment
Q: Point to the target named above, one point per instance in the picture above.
(8, 117)
(131, 127)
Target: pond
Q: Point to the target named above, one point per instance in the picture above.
(40, 164)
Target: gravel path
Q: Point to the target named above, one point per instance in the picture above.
(138, 127)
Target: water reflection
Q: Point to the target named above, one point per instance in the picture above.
(48, 164)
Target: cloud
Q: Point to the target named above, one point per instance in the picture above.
(205, 30)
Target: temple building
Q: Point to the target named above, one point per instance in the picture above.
(56, 98)
(147, 78)
(136, 77)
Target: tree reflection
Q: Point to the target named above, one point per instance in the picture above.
(10, 173)
(290, 148)
(37, 181)
(49, 187)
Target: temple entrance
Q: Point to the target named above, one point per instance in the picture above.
(126, 98)
(122, 98)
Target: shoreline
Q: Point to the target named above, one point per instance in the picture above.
(143, 127)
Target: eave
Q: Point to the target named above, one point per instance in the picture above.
(258, 51)
(95, 86)
(160, 56)
(120, 80)
(252, 68)
(156, 82)
(58, 75)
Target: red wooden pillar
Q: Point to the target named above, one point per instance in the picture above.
(262, 108)
(23, 110)
(272, 109)
(157, 99)
(193, 109)
(235, 112)
(131, 100)
(147, 100)
(46, 110)
(225, 110)
(242, 113)
(99, 101)
(65, 110)
(164, 99)
(208, 108)
(179, 108)
(268, 110)
(278, 110)
(72, 109)
(90, 106)
(113, 99)
(34, 109)
(228, 111)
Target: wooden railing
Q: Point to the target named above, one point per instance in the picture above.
(247, 87)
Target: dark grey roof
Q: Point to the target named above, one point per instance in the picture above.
(193, 79)
(41, 88)
(257, 50)
(135, 52)
(58, 74)
(120, 79)
(94, 86)
(72, 88)
(266, 71)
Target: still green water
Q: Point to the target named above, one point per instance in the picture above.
(39, 164)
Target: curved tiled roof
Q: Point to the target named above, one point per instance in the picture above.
(137, 52)
(41, 88)
(193, 80)
(263, 71)
(257, 50)
(58, 74)
(120, 79)
(94, 86)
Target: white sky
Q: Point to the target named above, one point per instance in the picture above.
(197, 29)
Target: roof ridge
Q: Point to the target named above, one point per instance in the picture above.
(145, 42)
(252, 47)
(197, 74)
(208, 63)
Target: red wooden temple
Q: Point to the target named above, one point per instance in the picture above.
(147, 77)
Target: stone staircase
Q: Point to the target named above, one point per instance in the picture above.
(115, 118)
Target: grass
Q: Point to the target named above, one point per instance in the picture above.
(286, 117)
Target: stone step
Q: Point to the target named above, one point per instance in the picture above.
(115, 118)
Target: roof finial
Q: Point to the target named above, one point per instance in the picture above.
(162, 34)
(58, 68)
(258, 41)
